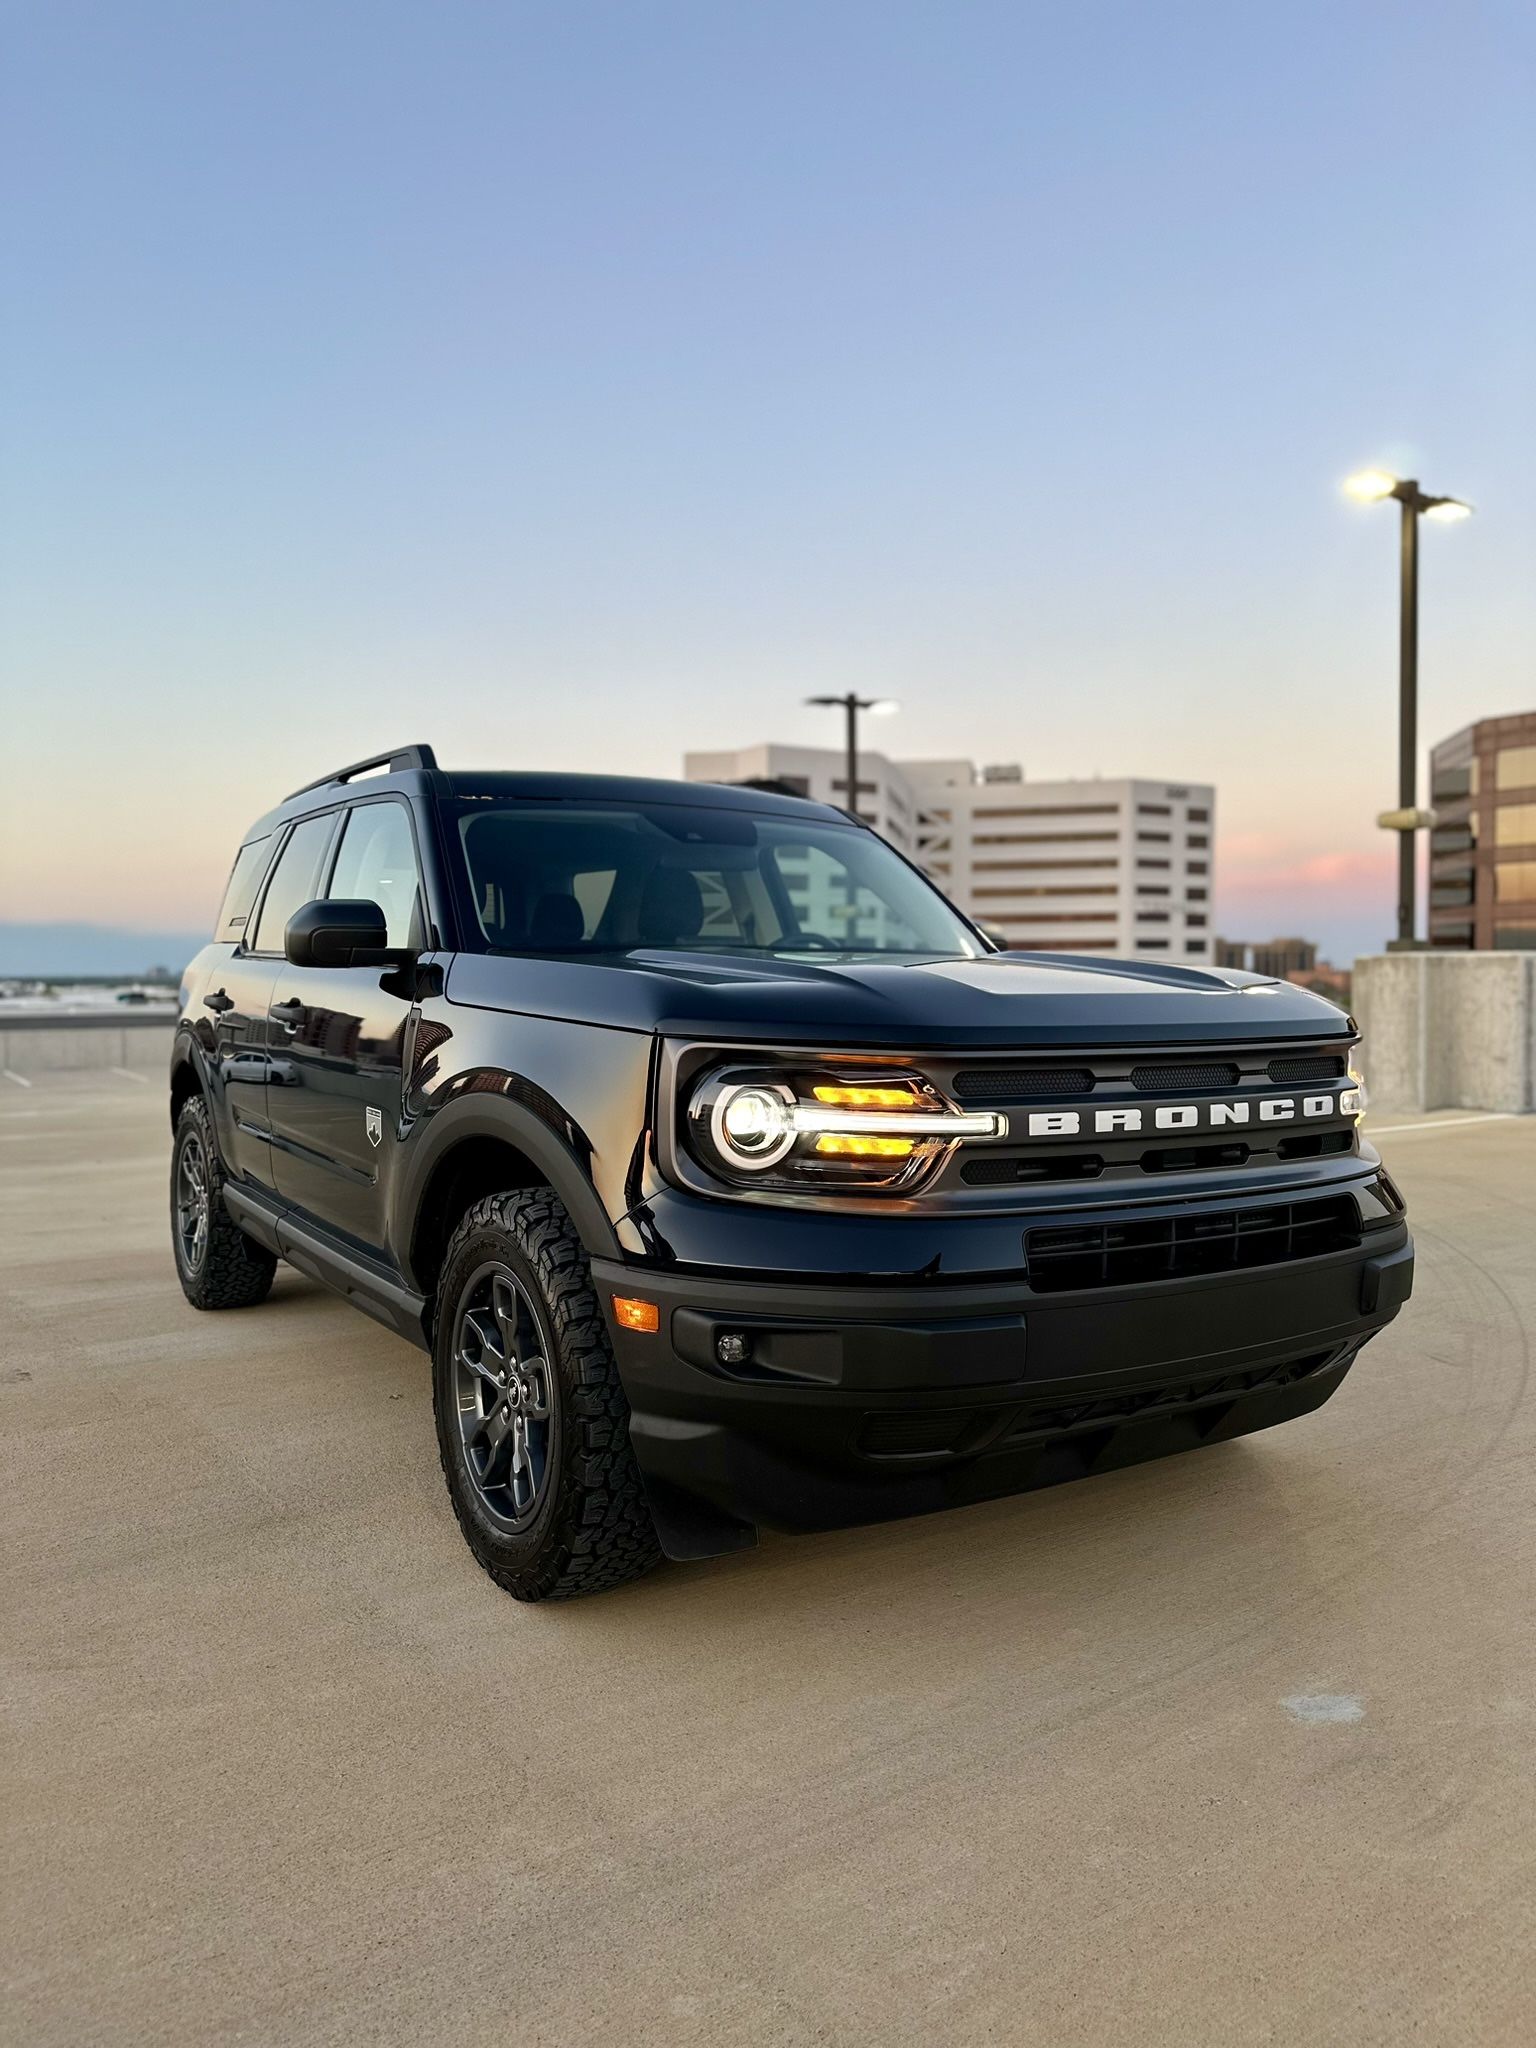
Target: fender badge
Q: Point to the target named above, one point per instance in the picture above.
(374, 1121)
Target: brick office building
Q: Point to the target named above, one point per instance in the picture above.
(1482, 851)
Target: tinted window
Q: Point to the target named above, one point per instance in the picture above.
(245, 879)
(295, 881)
(609, 877)
(377, 861)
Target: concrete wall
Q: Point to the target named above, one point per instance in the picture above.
(1449, 1030)
(31, 1046)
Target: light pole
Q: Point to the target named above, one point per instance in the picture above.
(852, 703)
(1370, 486)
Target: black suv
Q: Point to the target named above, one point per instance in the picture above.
(731, 1177)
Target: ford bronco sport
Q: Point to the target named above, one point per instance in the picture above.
(732, 1178)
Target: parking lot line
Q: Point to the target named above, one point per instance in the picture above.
(20, 1079)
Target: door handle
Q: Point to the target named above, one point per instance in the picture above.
(218, 1002)
(287, 1014)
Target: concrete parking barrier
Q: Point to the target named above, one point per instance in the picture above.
(1449, 1030)
(133, 1044)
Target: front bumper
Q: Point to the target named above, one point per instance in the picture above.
(861, 1401)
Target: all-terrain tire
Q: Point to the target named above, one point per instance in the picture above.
(220, 1267)
(589, 1527)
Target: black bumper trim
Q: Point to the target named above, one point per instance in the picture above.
(973, 1391)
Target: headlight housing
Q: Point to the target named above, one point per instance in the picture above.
(1355, 1099)
(809, 1128)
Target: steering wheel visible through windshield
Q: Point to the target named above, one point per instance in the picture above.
(606, 877)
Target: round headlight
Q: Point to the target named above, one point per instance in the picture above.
(752, 1123)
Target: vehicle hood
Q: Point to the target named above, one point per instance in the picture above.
(1011, 999)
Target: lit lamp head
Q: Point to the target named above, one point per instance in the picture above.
(1370, 485)
(1448, 511)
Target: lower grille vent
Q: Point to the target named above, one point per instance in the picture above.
(913, 1432)
(1004, 1173)
(1168, 1247)
(1142, 1403)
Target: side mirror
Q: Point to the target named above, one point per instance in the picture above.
(346, 933)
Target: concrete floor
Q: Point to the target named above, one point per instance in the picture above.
(1234, 1748)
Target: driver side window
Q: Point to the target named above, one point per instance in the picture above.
(376, 862)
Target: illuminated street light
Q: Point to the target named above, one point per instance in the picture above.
(1447, 510)
(1370, 486)
(852, 704)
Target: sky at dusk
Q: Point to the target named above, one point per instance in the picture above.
(574, 385)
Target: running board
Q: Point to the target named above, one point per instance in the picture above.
(396, 1307)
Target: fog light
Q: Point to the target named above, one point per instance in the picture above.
(733, 1348)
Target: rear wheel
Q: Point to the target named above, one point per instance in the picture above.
(532, 1423)
(217, 1264)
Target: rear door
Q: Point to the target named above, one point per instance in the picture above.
(336, 1091)
(232, 1021)
(246, 1032)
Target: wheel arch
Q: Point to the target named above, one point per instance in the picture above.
(479, 1147)
(186, 1077)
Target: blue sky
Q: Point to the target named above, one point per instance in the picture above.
(570, 385)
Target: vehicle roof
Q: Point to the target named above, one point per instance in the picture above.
(531, 785)
(538, 786)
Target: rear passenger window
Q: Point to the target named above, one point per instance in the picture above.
(295, 881)
(245, 879)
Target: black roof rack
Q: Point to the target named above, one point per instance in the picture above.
(771, 785)
(394, 761)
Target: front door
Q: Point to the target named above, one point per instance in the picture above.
(335, 1087)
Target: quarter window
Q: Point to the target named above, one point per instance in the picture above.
(244, 881)
(295, 881)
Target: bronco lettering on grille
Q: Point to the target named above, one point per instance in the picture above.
(1190, 1116)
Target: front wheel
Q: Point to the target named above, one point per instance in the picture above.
(532, 1423)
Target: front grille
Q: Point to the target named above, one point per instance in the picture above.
(1119, 1095)
(1020, 1084)
(1208, 1079)
(1323, 1066)
(1171, 1247)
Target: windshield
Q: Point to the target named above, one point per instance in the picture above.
(564, 878)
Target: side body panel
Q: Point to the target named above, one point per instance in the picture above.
(224, 1028)
(335, 1093)
(574, 1099)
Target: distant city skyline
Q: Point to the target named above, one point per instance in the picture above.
(583, 387)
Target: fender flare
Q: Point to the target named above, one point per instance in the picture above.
(186, 1052)
(558, 1157)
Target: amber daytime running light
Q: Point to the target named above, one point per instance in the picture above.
(793, 1130)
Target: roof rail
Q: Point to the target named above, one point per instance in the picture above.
(770, 785)
(396, 759)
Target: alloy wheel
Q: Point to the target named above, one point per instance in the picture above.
(504, 1394)
(192, 1201)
